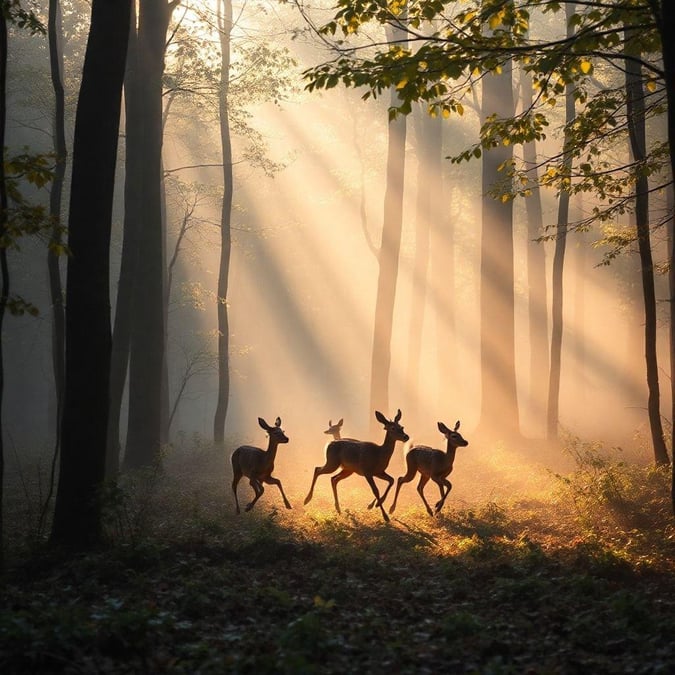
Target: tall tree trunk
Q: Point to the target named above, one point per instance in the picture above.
(4, 269)
(55, 201)
(557, 290)
(499, 407)
(133, 196)
(388, 256)
(428, 135)
(54, 252)
(664, 15)
(77, 514)
(147, 331)
(635, 113)
(537, 299)
(224, 30)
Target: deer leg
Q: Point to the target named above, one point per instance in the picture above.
(275, 481)
(420, 489)
(410, 474)
(390, 481)
(259, 489)
(443, 483)
(235, 482)
(319, 471)
(334, 481)
(376, 492)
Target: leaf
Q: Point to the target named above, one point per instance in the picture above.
(586, 66)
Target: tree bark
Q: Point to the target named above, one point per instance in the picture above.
(429, 148)
(147, 332)
(77, 515)
(224, 30)
(499, 406)
(537, 299)
(388, 257)
(557, 285)
(133, 194)
(635, 113)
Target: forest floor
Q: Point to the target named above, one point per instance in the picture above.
(574, 574)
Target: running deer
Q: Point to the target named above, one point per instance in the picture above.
(365, 458)
(434, 464)
(257, 464)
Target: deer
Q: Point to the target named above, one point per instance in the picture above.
(365, 458)
(257, 464)
(334, 429)
(432, 464)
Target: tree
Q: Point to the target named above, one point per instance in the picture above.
(499, 401)
(557, 295)
(476, 38)
(388, 255)
(224, 18)
(147, 348)
(635, 114)
(77, 514)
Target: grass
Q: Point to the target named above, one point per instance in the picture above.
(574, 578)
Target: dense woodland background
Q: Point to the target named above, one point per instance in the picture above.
(215, 212)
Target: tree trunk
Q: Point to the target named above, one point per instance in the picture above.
(133, 196)
(635, 113)
(557, 290)
(537, 300)
(428, 140)
(77, 515)
(224, 30)
(499, 407)
(664, 14)
(147, 331)
(55, 201)
(388, 256)
(4, 270)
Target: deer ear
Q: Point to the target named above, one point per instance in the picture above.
(380, 417)
(277, 422)
(442, 428)
(457, 425)
(340, 422)
(263, 424)
(398, 415)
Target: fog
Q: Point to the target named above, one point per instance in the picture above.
(303, 284)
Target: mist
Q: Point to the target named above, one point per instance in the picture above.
(303, 283)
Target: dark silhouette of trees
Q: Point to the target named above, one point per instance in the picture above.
(77, 515)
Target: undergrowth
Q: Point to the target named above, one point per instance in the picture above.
(579, 581)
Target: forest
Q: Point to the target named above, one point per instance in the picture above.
(337, 336)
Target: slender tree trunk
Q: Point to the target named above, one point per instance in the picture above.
(77, 514)
(429, 148)
(147, 331)
(557, 290)
(388, 257)
(224, 30)
(54, 251)
(4, 269)
(635, 113)
(499, 408)
(133, 196)
(664, 14)
(537, 299)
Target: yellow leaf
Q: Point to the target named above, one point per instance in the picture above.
(506, 141)
(460, 109)
(402, 83)
(651, 85)
(446, 113)
(495, 20)
(585, 66)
